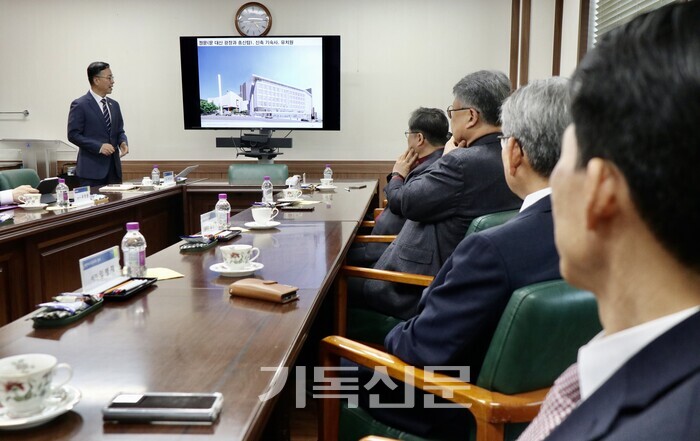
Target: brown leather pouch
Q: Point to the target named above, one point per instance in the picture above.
(264, 290)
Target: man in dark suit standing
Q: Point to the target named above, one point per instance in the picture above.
(440, 204)
(96, 126)
(458, 313)
(428, 130)
(626, 210)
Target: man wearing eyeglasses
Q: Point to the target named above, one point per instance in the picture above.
(96, 126)
(440, 204)
(425, 138)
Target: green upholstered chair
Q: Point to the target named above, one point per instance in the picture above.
(21, 176)
(370, 326)
(536, 339)
(252, 174)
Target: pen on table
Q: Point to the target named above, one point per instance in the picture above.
(347, 189)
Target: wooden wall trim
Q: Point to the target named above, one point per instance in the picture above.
(584, 15)
(556, 49)
(525, 43)
(514, 42)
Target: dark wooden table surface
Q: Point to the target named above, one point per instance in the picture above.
(189, 335)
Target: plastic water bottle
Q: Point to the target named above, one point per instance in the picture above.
(223, 212)
(267, 191)
(62, 193)
(155, 175)
(134, 251)
(328, 172)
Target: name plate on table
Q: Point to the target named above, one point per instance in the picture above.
(168, 178)
(208, 223)
(100, 268)
(81, 196)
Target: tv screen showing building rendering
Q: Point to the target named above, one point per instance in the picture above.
(261, 82)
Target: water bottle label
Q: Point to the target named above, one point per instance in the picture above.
(142, 258)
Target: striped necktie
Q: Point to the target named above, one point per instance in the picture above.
(561, 400)
(105, 114)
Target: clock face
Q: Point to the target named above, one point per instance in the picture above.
(253, 19)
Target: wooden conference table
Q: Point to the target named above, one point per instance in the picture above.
(189, 335)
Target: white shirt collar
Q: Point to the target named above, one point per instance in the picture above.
(534, 197)
(98, 99)
(604, 355)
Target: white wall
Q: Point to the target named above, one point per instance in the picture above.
(396, 55)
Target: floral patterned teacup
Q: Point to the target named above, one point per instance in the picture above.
(26, 382)
(238, 257)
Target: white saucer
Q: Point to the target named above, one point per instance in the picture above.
(255, 226)
(290, 200)
(33, 207)
(326, 187)
(223, 270)
(59, 404)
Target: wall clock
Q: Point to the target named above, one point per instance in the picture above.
(253, 19)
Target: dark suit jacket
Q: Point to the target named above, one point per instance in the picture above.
(459, 312)
(88, 130)
(390, 221)
(439, 205)
(654, 396)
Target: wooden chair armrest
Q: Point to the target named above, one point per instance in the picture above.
(368, 224)
(341, 300)
(377, 212)
(486, 406)
(389, 276)
(368, 238)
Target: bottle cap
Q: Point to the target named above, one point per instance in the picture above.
(155, 165)
(131, 226)
(328, 165)
(61, 181)
(222, 196)
(267, 178)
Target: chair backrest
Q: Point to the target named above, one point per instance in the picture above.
(252, 174)
(538, 337)
(10, 179)
(486, 221)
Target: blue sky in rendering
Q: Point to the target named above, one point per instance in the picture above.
(299, 66)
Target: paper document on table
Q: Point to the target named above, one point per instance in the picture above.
(163, 273)
(308, 202)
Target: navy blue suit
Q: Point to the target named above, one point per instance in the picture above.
(458, 313)
(654, 396)
(88, 130)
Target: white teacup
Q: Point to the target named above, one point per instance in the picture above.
(238, 257)
(263, 215)
(326, 182)
(26, 382)
(291, 193)
(30, 199)
(146, 181)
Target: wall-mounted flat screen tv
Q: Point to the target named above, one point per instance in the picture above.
(261, 82)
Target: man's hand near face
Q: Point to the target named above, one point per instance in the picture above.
(405, 163)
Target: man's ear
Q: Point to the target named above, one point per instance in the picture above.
(473, 118)
(515, 155)
(421, 138)
(603, 187)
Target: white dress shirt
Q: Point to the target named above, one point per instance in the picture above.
(99, 99)
(604, 355)
(534, 197)
(6, 197)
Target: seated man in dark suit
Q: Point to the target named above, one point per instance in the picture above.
(440, 204)
(459, 311)
(428, 129)
(626, 209)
